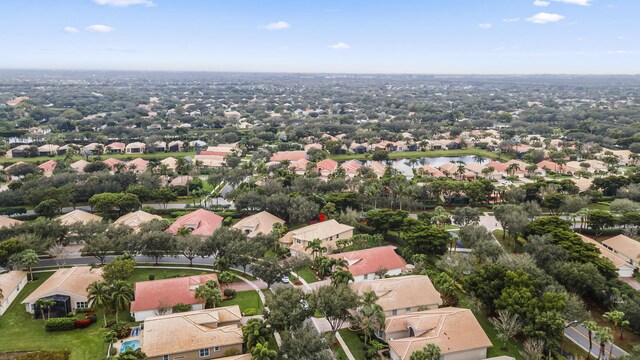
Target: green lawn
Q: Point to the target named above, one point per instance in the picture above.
(307, 274)
(507, 242)
(246, 299)
(41, 159)
(163, 273)
(355, 345)
(20, 332)
(420, 154)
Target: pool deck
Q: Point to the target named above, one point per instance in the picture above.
(118, 345)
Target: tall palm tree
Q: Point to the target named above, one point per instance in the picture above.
(603, 336)
(255, 332)
(479, 159)
(370, 316)
(209, 293)
(99, 297)
(341, 276)
(121, 295)
(262, 352)
(616, 317)
(40, 303)
(591, 326)
(316, 247)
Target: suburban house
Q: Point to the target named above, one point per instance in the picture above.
(456, 331)
(67, 287)
(47, 167)
(622, 266)
(135, 148)
(112, 163)
(135, 219)
(170, 162)
(200, 222)
(48, 150)
(157, 297)
(93, 149)
(175, 146)
(11, 283)
(19, 151)
(427, 170)
(625, 247)
(138, 165)
(210, 161)
(326, 167)
(394, 297)
(62, 150)
(194, 335)
(181, 180)
(289, 155)
(79, 165)
(160, 146)
(351, 167)
(364, 264)
(115, 148)
(6, 222)
(328, 232)
(260, 223)
(78, 216)
(299, 167)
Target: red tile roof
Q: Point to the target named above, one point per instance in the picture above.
(218, 153)
(116, 145)
(111, 163)
(48, 166)
(327, 165)
(203, 222)
(351, 166)
(289, 155)
(150, 295)
(369, 261)
(138, 164)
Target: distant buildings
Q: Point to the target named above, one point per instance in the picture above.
(364, 264)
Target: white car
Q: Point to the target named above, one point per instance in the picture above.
(285, 279)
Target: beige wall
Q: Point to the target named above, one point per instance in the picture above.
(474, 354)
(195, 355)
(402, 311)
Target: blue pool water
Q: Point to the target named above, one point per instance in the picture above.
(132, 345)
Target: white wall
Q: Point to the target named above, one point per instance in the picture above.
(372, 275)
(625, 272)
(142, 315)
(8, 298)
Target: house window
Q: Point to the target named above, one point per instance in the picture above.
(81, 304)
(338, 236)
(394, 312)
(204, 353)
(297, 241)
(366, 276)
(407, 310)
(216, 348)
(165, 357)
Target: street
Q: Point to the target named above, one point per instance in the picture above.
(580, 336)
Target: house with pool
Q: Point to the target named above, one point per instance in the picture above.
(193, 335)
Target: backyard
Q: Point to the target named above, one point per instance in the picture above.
(246, 300)
(20, 332)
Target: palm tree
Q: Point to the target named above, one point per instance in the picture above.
(512, 168)
(110, 337)
(262, 352)
(591, 326)
(121, 295)
(316, 247)
(98, 296)
(209, 293)
(341, 276)
(440, 215)
(603, 336)
(370, 316)
(255, 332)
(41, 305)
(617, 318)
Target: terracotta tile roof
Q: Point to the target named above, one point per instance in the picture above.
(138, 165)
(299, 165)
(203, 222)
(393, 292)
(452, 329)
(327, 165)
(260, 223)
(48, 166)
(433, 171)
(116, 145)
(498, 166)
(135, 219)
(151, 295)
(73, 280)
(181, 180)
(79, 165)
(369, 261)
(289, 155)
(6, 221)
(624, 245)
(190, 331)
(615, 259)
(78, 216)
(111, 163)
(351, 166)
(50, 148)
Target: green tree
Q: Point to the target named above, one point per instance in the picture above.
(385, 220)
(121, 268)
(465, 216)
(334, 303)
(261, 351)
(48, 208)
(591, 326)
(189, 246)
(507, 325)
(271, 271)
(428, 352)
(287, 309)
(157, 245)
(304, 343)
(616, 317)
(255, 332)
(341, 276)
(121, 293)
(209, 293)
(28, 259)
(98, 294)
(426, 239)
(369, 317)
(603, 336)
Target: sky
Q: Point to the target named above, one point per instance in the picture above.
(338, 36)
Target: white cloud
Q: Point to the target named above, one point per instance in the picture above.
(70, 29)
(100, 28)
(575, 2)
(280, 25)
(543, 18)
(124, 3)
(515, 19)
(485, 25)
(340, 46)
(541, 3)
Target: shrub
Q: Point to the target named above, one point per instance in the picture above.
(82, 310)
(249, 312)
(180, 307)
(152, 277)
(83, 323)
(60, 324)
(232, 352)
(230, 293)
(45, 355)
(93, 318)
(121, 329)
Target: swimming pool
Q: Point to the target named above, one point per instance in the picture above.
(132, 345)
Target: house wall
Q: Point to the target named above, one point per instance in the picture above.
(73, 297)
(372, 276)
(624, 257)
(474, 354)
(402, 311)
(8, 298)
(142, 315)
(195, 354)
(625, 272)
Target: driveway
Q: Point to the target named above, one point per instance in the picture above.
(489, 221)
(580, 336)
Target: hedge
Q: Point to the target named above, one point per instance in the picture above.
(83, 323)
(45, 355)
(60, 324)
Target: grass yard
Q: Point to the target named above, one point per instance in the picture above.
(20, 332)
(355, 345)
(420, 154)
(307, 274)
(246, 300)
(163, 273)
(507, 243)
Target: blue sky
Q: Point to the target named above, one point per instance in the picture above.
(359, 36)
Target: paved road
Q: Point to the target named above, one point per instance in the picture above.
(580, 336)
